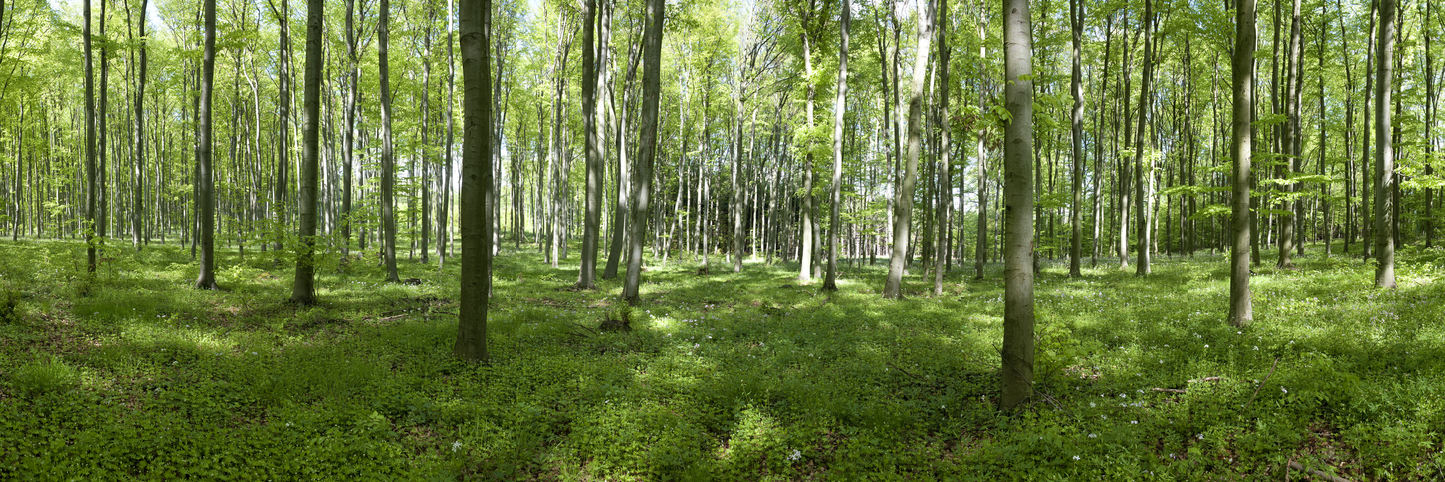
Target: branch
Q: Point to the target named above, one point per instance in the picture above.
(1261, 383)
(1332, 478)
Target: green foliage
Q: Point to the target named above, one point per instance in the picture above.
(41, 377)
(723, 376)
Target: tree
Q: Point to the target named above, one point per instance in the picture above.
(303, 288)
(206, 182)
(1076, 88)
(646, 151)
(1144, 165)
(587, 273)
(830, 282)
(903, 208)
(1290, 144)
(388, 161)
(1385, 149)
(1018, 317)
(945, 151)
(89, 145)
(137, 194)
(475, 222)
(1241, 311)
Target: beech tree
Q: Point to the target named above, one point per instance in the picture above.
(1018, 317)
(303, 288)
(1241, 310)
(475, 222)
(206, 182)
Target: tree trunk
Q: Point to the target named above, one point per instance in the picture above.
(206, 194)
(1143, 164)
(805, 255)
(476, 280)
(830, 280)
(945, 151)
(647, 149)
(592, 217)
(1385, 150)
(1241, 311)
(138, 173)
(303, 289)
(1018, 334)
(1290, 144)
(90, 214)
(1076, 18)
(388, 160)
(903, 207)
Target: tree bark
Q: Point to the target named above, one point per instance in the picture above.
(138, 174)
(1290, 144)
(1144, 164)
(388, 160)
(476, 225)
(1241, 311)
(945, 150)
(830, 280)
(303, 288)
(90, 214)
(903, 207)
(587, 272)
(206, 194)
(1076, 20)
(1385, 149)
(1018, 335)
(647, 150)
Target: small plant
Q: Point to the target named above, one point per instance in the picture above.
(617, 319)
(10, 308)
(39, 378)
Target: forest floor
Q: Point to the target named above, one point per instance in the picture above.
(131, 374)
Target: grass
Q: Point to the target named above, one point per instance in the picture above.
(131, 374)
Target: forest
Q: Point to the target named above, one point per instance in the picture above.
(743, 240)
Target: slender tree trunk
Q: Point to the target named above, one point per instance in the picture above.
(388, 160)
(90, 175)
(138, 173)
(805, 256)
(303, 289)
(982, 240)
(1076, 18)
(830, 281)
(587, 273)
(945, 151)
(1241, 310)
(1018, 334)
(476, 225)
(1385, 150)
(903, 208)
(1290, 143)
(1144, 164)
(647, 149)
(206, 199)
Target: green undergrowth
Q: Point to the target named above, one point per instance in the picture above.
(129, 374)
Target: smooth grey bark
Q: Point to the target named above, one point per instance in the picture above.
(830, 280)
(206, 182)
(1018, 318)
(1241, 310)
(475, 225)
(1143, 164)
(592, 216)
(388, 159)
(805, 219)
(903, 208)
(1290, 143)
(981, 241)
(646, 151)
(89, 145)
(1385, 149)
(137, 214)
(941, 257)
(303, 288)
(1076, 88)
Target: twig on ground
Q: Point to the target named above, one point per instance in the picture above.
(1332, 478)
(1261, 383)
(905, 372)
(1170, 390)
